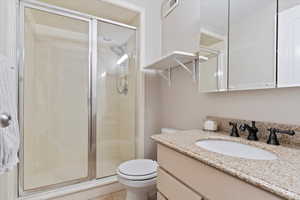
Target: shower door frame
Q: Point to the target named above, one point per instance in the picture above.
(92, 86)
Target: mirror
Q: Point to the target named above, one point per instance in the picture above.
(288, 43)
(214, 45)
(251, 44)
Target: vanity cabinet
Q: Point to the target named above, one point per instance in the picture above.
(182, 177)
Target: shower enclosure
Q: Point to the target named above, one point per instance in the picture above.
(77, 90)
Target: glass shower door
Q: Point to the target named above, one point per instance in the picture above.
(55, 105)
(116, 93)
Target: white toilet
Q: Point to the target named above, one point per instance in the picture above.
(139, 178)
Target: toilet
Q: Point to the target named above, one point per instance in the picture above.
(139, 176)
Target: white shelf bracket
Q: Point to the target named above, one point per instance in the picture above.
(195, 65)
(193, 72)
(161, 73)
(166, 77)
(183, 66)
(169, 76)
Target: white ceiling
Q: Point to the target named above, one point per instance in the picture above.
(97, 8)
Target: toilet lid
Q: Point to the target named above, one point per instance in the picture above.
(141, 167)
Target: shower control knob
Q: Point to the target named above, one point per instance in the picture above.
(5, 120)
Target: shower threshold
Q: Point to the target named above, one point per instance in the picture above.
(93, 189)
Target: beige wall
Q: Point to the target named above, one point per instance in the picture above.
(153, 52)
(184, 107)
(152, 113)
(180, 30)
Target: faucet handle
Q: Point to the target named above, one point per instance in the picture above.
(234, 131)
(273, 135)
(254, 126)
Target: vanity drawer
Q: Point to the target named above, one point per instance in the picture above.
(173, 189)
(211, 183)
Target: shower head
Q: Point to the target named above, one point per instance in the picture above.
(119, 50)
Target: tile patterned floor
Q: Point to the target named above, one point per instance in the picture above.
(115, 196)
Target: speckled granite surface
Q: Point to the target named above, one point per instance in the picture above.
(281, 176)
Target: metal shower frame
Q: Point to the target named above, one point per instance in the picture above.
(92, 94)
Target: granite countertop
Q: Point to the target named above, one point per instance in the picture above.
(281, 176)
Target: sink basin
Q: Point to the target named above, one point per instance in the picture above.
(236, 149)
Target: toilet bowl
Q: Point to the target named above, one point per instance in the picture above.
(139, 178)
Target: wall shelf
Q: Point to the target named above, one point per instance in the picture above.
(172, 60)
(165, 64)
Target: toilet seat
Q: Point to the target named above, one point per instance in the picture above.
(138, 178)
(138, 170)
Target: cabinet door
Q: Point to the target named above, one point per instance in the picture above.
(173, 189)
(211, 183)
(252, 44)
